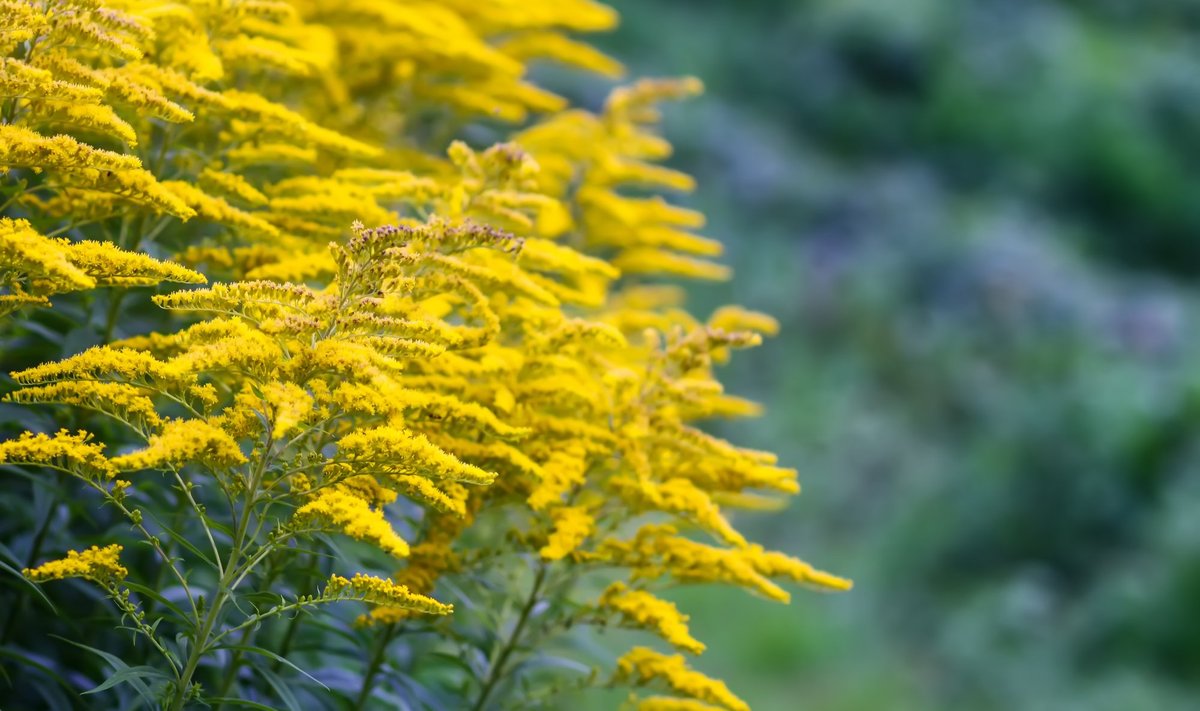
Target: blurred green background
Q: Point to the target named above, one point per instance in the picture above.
(979, 223)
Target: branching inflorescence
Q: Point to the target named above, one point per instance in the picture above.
(430, 351)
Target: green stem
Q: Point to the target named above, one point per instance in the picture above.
(377, 657)
(115, 298)
(231, 672)
(289, 635)
(496, 671)
(224, 588)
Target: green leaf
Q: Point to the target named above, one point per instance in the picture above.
(31, 585)
(120, 666)
(270, 655)
(25, 659)
(240, 702)
(154, 595)
(139, 672)
(183, 541)
(280, 686)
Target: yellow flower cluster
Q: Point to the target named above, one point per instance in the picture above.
(183, 441)
(572, 526)
(643, 609)
(33, 267)
(353, 515)
(75, 453)
(659, 550)
(378, 591)
(100, 564)
(440, 335)
(641, 665)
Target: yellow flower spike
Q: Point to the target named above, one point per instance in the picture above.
(290, 406)
(126, 88)
(98, 362)
(378, 591)
(232, 185)
(397, 450)
(83, 166)
(109, 265)
(657, 550)
(254, 107)
(572, 526)
(99, 564)
(643, 609)
(368, 489)
(423, 490)
(642, 666)
(253, 52)
(735, 318)
(18, 78)
(562, 49)
(683, 498)
(353, 516)
(84, 29)
(125, 402)
(76, 453)
(647, 260)
(218, 210)
(181, 442)
(41, 259)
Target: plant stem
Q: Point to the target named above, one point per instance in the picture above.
(496, 671)
(115, 297)
(225, 585)
(374, 665)
(289, 636)
(231, 673)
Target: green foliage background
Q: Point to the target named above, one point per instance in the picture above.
(979, 222)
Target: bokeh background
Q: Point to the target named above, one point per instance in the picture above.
(979, 223)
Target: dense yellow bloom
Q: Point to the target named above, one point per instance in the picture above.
(643, 609)
(378, 591)
(127, 403)
(657, 551)
(290, 406)
(35, 266)
(354, 517)
(76, 453)
(572, 526)
(564, 470)
(395, 450)
(80, 165)
(642, 666)
(98, 362)
(467, 352)
(183, 441)
(100, 564)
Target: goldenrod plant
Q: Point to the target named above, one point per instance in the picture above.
(453, 384)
